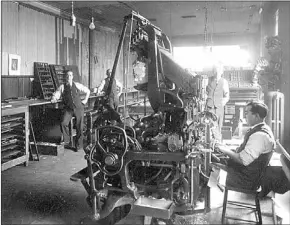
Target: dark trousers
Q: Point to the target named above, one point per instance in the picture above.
(79, 115)
(275, 180)
(113, 102)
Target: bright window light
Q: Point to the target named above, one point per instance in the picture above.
(202, 58)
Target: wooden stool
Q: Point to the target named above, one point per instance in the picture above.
(255, 207)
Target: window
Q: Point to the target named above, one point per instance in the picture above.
(201, 58)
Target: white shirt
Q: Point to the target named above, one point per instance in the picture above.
(57, 94)
(258, 143)
(100, 88)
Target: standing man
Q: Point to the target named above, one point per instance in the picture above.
(116, 89)
(218, 94)
(249, 160)
(73, 106)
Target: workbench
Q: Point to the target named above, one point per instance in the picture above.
(15, 128)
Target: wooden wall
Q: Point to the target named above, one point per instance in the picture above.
(28, 33)
(103, 50)
(128, 59)
(40, 37)
(72, 45)
(16, 86)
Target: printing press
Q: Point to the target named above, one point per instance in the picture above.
(159, 166)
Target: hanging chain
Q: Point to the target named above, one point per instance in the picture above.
(205, 27)
(212, 30)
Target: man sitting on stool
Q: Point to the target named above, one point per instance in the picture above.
(73, 106)
(246, 164)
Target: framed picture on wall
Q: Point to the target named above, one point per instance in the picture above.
(14, 64)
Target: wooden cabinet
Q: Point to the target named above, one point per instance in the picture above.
(14, 137)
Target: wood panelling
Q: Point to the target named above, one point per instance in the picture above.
(28, 33)
(84, 53)
(40, 37)
(9, 27)
(103, 51)
(9, 36)
(70, 44)
(16, 86)
(129, 58)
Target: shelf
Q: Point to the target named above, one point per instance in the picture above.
(14, 137)
(10, 119)
(8, 142)
(10, 125)
(6, 154)
(8, 136)
(10, 147)
(5, 130)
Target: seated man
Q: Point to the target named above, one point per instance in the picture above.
(115, 92)
(247, 163)
(110, 107)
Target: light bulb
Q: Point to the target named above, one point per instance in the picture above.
(92, 25)
(73, 20)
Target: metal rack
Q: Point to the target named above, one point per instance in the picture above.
(14, 137)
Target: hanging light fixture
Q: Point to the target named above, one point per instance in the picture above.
(73, 18)
(92, 25)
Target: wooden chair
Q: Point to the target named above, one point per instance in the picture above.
(255, 207)
(251, 206)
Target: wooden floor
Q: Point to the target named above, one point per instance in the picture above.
(43, 193)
